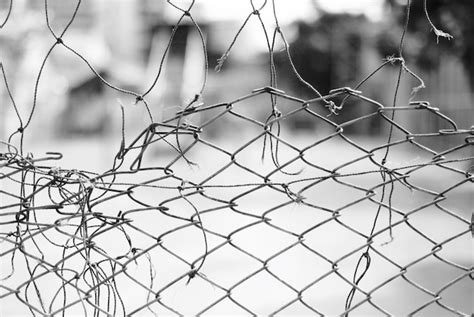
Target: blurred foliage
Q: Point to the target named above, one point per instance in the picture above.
(334, 50)
(453, 17)
(326, 52)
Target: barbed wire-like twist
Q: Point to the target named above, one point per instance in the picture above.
(160, 236)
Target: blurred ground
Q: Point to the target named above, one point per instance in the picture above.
(298, 267)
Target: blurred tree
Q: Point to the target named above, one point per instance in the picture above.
(331, 51)
(327, 54)
(453, 17)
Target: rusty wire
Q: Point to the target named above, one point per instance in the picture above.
(52, 219)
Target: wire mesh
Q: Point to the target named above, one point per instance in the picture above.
(266, 224)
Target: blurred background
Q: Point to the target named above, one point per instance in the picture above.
(332, 45)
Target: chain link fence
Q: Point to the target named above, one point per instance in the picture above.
(187, 223)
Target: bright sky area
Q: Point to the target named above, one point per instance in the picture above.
(291, 10)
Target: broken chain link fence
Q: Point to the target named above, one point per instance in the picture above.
(266, 224)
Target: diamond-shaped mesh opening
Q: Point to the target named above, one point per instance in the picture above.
(327, 295)
(271, 292)
(399, 297)
(322, 238)
(225, 174)
(458, 199)
(320, 193)
(396, 250)
(261, 199)
(373, 279)
(190, 298)
(458, 295)
(225, 221)
(227, 266)
(271, 240)
(357, 214)
(188, 242)
(410, 201)
(334, 147)
(307, 215)
(437, 218)
(454, 248)
(149, 224)
(434, 274)
(308, 266)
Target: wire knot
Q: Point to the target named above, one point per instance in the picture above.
(192, 274)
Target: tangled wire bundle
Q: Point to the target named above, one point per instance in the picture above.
(323, 223)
